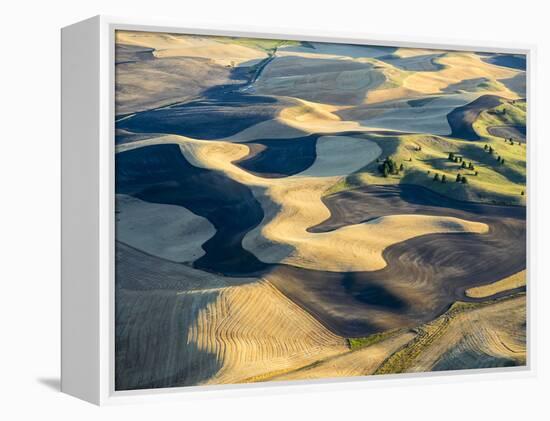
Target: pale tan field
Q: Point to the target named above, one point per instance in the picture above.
(400, 116)
(414, 52)
(361, 362)
(182, 67)
(160, 82)
(458, 67)
(316, 80)
(180, 45)
(136, 217)
(341, 51)
(254, 330)
(492, 334)
(515, 281)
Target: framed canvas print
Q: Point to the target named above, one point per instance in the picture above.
(244, 208)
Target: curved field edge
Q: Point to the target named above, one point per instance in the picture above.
(427, 347)
(517, 280)
(415, 356)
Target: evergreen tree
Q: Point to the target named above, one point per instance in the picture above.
(476, 173)
(464, 180)
(463, 165)
(501, 161)
(436, 177)
(471, 166)
(401, 167)
(451, 156)
(491, 150)
(486, 147)
(458, 177)
(388, 167)
(443, 178)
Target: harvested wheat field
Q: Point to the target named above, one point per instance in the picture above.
(291, 210)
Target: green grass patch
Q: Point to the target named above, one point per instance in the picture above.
(403, 359)
(358, 343)
(423, 156)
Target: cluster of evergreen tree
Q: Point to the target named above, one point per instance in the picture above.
(389, 166)
(461, 179)
(457, 159)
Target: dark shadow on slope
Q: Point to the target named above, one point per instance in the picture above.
(276, 158)
(512, 61)
(161, 174)
(462, 118)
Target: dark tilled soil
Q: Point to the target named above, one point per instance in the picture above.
(462, 118)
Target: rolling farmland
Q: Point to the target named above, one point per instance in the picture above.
(296, 210)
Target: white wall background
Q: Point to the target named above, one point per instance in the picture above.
(29, 222)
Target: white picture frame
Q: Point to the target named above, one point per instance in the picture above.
(88, 212)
